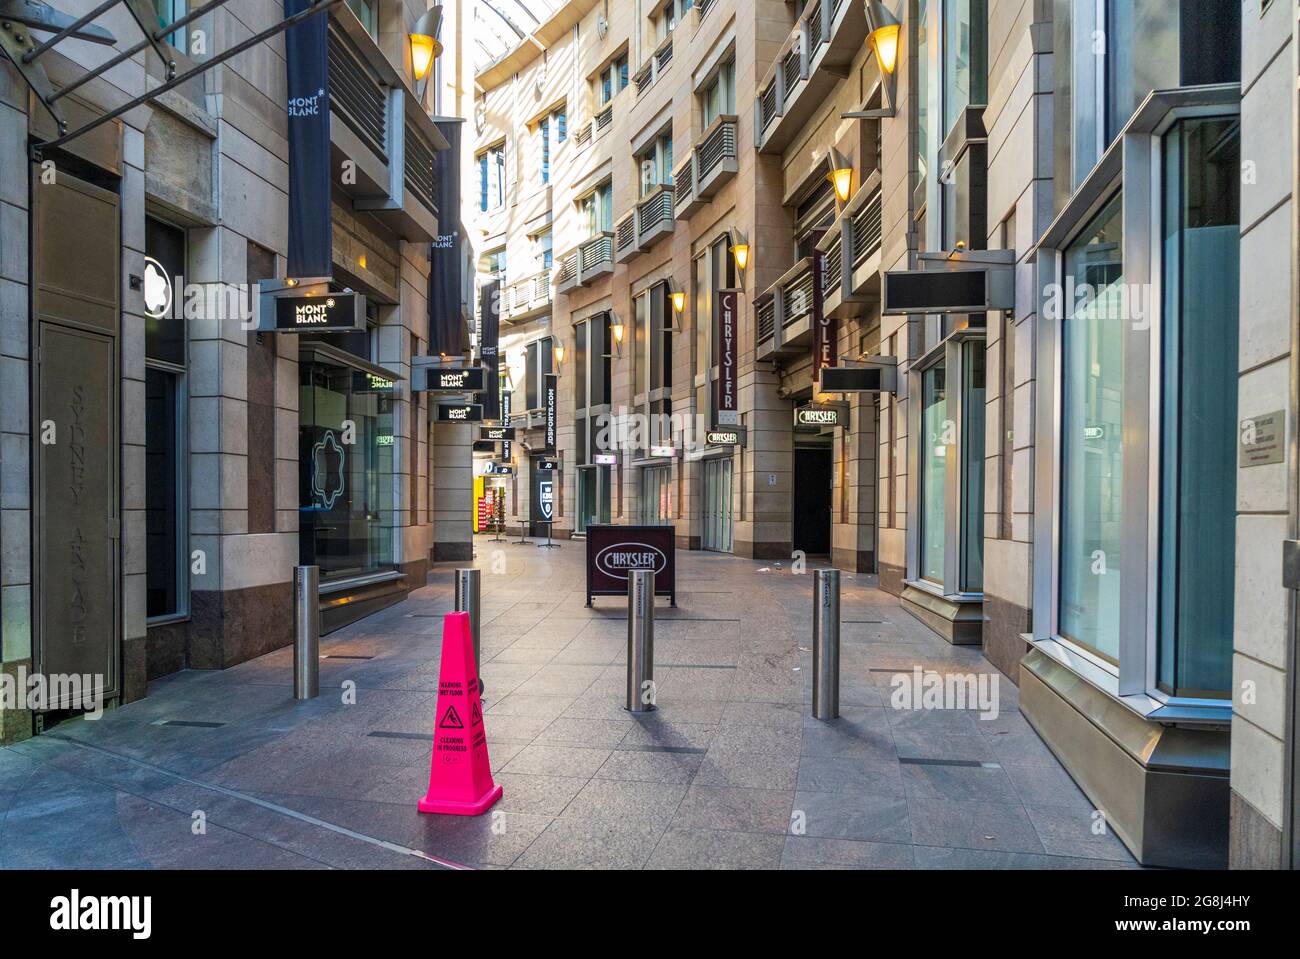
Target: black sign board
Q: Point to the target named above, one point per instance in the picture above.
(543, 464)
(817, 416)
(935, 291)
(449, 379)
(496, 434)
(848, 379)
(541, 507)
(460, 413)
(499, 469)
(320, 313)
(372, 383)
(725, 437)
(727, 332)
(489, 334)
(551, 401)
(612, 551)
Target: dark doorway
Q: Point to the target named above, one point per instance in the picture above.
(812, 500)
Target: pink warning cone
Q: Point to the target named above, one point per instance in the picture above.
(460, 779)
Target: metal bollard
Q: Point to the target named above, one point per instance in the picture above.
(640, 640)
(826, 644)
(468, 583)
(306, 632)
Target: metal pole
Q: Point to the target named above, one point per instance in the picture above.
(306, 632)
(468, 582)
(826, 644)
(640, 640)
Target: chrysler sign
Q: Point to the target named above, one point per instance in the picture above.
(614, 551)
(728, 406)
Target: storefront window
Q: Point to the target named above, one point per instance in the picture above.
(1091, 508)
(937, 431)
(345, 444)
(1199, 415)
(972, 487)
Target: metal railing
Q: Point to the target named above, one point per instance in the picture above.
(796, 292)
(834, 264)
(717, 146)
(704, 7)
(597, 251)
(601, 122)
(792, 66)
(567, 274)
(684, 184)
(529, 293)
(866, 229)
(766, 317)
(421, 177)
(582, 136)
(655, 209)
(767, 106)
(356, 93)
(625, 232)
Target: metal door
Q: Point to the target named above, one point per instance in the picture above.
(75, 390)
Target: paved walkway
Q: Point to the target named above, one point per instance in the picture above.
(223, 769)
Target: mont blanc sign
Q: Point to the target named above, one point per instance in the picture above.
(614, 551)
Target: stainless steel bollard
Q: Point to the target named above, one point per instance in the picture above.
(826, 644)
(640, 640)
(306, 632)
(468, 583)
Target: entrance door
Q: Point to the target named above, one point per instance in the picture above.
(812, 500)
(717, 514)
(77, 559)
(593, 496)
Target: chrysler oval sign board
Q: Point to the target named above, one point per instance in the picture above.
(614, 551)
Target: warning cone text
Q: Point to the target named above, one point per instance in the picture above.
(460, 779)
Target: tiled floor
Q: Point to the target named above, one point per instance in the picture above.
(730, 772)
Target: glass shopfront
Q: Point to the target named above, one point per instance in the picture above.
(656, 496)
(938, 435)
(346, 483)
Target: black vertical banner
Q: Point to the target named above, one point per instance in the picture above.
(551, 401)
(311, 238)
(445, 256)
(506, 450)
(489, 331)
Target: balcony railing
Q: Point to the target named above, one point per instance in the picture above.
(594, 257)
(795, 293)
(625, 244)
(655, 66)
(357, 95)
(566, 277)
(828, 35)
(528, 297)
(834, 251)
(654, 216)
(685, 201)
(704, 6)
(765, 309)
(865, 231)
(602, 121)
(582, 136)
(421, 175)
(789, 302)
(715, 157)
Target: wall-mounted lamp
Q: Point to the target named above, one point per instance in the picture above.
(425, 47)
(841, 175)
(739, 249)
(678, 297)
(883, 33)
(616, 329)
(558, 352)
